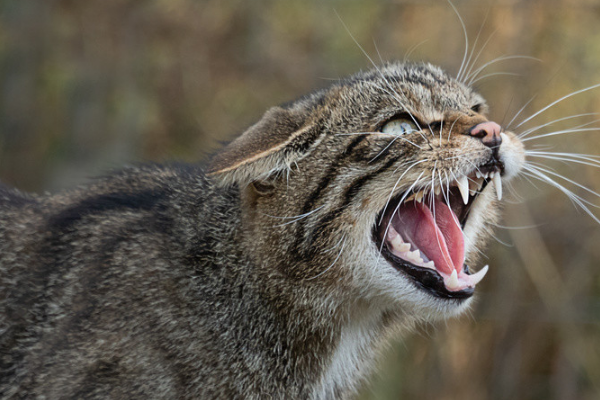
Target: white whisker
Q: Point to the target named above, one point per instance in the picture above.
(585, 159)
(332, 264)
(558, 101)
(519, 112)
(492, 74)
(464, 28)
(536, 128)
(539, 168)
(575, 199)
(562, 132)
(479, 70)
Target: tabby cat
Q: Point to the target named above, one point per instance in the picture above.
(275, 272)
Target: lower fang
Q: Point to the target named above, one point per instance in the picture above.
(477, 277)
(452, 282)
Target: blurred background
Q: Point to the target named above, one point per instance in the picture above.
(87, 86)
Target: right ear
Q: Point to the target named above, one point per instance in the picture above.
(282, 137)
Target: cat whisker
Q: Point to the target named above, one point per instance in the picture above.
(385, 148)
(334, 261)
(575, 199)
(516, 227)
(387, 203)
(585, 159)
(518, 198)
(442, 125)
(380, 134)
(412, 186)
(413, 48)
(294, 218)
(464, 28)
(480, 51)
(502, 242)
(376, 67)
(430, 130)
(562, 132)
(396, 96)
(536, 128)
(492, 74)
(558, 101)
(452, 127)
(543, 169)
(470, 79)
(470, 65)
(520, 111)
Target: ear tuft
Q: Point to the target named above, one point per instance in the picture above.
(281, 137)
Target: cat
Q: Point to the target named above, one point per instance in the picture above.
(278, 270)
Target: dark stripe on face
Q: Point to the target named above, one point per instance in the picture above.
(348, 197)
(330, 175)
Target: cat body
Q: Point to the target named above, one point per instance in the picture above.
(276, 272)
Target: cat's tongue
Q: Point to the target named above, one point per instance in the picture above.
(435, 232)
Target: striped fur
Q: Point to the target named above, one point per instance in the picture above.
(260, 279)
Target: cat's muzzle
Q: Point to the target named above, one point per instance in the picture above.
(420, 233)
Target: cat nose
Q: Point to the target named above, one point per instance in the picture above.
(488, 132)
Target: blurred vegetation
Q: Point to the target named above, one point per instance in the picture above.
(90, 85)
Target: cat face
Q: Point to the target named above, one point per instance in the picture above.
(382, 187)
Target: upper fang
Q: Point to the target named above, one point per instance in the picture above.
(498, 184)
(463, 187)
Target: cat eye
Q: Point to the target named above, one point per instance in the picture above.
(476, 108)
(399, 126)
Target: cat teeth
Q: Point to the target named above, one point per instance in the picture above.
(452, 282)
(482, 175)
(466, 186)
(497, 184)
(463, 187)
(429, 264)
(404, 247)
(419, 196)
(475, 185)
(477, 277)
(397, 242)
(414, 257)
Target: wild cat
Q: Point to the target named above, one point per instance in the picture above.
(275, 272)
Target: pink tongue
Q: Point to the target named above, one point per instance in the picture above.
(439, 238)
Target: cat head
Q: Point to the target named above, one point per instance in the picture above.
(382, 187)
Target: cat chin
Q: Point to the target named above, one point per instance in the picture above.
(394, 292)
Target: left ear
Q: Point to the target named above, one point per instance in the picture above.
(273, 144)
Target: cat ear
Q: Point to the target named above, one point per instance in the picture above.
(272, 145)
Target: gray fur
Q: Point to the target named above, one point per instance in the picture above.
(259, 280)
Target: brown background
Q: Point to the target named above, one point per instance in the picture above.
(86, 86)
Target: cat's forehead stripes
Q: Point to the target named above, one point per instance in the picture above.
(419, 89)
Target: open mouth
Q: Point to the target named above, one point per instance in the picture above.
(421, 234)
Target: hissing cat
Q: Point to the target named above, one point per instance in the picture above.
(276, 273)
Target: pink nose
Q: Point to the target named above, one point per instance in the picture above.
(488, 132)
